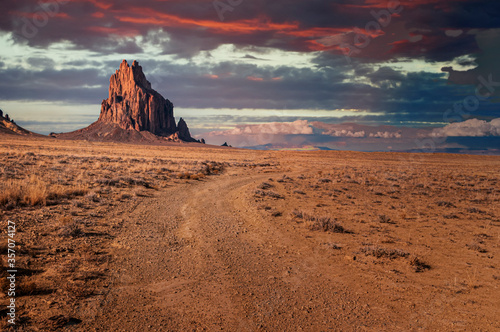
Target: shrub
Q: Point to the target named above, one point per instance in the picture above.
(445, 204)
(384, 219)
(71, 230)
(418, 264)
(272, 194)
(325, 224)
(476, 247)
(265, 185)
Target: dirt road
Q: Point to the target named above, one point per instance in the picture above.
(200, 257)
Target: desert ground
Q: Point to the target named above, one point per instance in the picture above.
(117, 237)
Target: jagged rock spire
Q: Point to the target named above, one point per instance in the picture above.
(134, 105)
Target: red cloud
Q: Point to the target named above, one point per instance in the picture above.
(249, 24)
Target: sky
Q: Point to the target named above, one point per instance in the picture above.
(366, 75)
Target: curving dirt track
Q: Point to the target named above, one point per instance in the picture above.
(200, 257)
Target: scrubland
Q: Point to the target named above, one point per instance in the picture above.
(411, 241)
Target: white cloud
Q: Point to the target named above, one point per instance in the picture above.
(299, 127)
(386, 134)
(469, 128)
(345, 133)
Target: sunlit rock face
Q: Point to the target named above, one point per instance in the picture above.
(133, 104)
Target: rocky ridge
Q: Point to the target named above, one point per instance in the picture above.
(8, 126)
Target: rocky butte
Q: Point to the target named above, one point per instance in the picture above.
(134, 111)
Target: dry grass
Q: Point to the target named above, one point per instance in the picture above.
(34, 191)
(30, 179)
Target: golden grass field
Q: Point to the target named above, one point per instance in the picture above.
(210, 238)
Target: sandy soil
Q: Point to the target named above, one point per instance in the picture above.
(267, 241)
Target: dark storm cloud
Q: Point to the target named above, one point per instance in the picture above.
(74, 86)
(486, 61)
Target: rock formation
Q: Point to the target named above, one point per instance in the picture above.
(133, 104)
(133, 112)
(183, 130)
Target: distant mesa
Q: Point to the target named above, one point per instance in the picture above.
(133, 112)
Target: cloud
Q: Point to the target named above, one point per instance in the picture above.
(302, 133)
(344, 133)
(386, 134)
(469, 128)
(70, 85)
(299, 127)
(485, 61)
(303, 26)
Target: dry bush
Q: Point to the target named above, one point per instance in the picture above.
(69, 228)
(325, 224)
(124, 196)
(475, 210)
(418, 264)
(476, 247)
(385, 219)
(445, 204)
(93, 197)
(285, 178)
(265, 186)
(299, 214)
(197, 176)
(184, 175)
(272, 194)
(335, 246)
